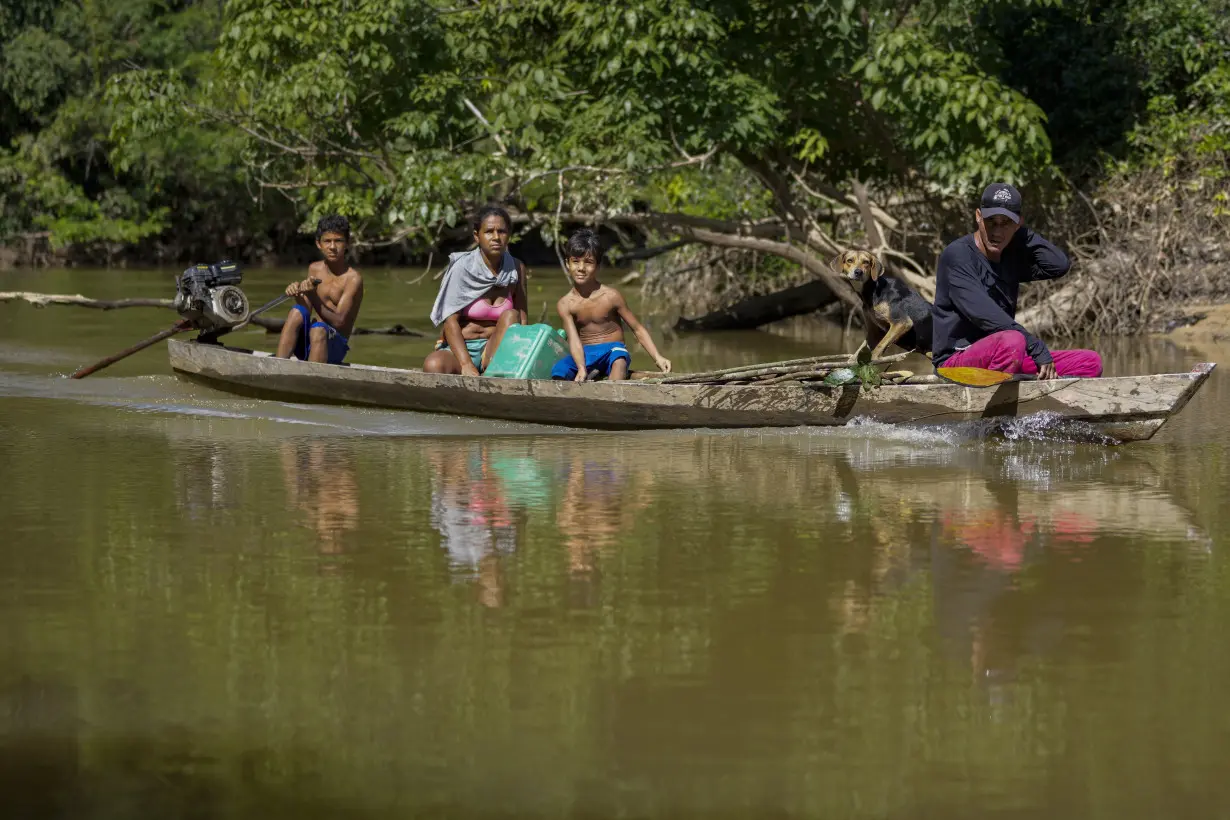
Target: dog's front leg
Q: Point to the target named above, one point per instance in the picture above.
(873, 332)
(895, 331)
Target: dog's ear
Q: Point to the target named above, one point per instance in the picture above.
(877, 267)
(835, 265)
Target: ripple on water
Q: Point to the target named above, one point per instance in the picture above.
(170, 396)
(23, 354)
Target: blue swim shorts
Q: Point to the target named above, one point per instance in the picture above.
(601, 356)
(336, 343)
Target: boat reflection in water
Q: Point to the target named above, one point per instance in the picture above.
(1013, 542)
(974, 519)
(586, 619)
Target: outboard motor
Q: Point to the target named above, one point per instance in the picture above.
(209, 296)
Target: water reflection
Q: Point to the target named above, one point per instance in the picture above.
(204, 478)
(970, 522)
(648, 625)
(602, 497)
(1005, 538)
(472, 511)
(321, 485)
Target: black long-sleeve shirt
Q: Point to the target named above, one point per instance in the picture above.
(975, 297)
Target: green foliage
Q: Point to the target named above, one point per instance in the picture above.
(59, 166)
(723, 190)
(868, 375)
(198, 119)
(398, 112)
(1198, 132)
(1100, 70)
(38, 70)
(967, 128)
(51, 202)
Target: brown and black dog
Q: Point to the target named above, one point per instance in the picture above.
(893, 313)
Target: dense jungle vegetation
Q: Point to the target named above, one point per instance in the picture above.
(739, 137)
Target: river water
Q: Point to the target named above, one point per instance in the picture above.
(218, 606)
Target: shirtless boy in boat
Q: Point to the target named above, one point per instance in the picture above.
(592, 313)
(335, 300)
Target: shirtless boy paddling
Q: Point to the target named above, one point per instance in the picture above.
(335, 300)
(592, 314)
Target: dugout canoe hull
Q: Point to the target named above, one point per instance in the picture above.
(1123, 408)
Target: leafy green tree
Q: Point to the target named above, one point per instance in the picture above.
(407, 114)
(754, 124)
(1100, 69)
(59, 171)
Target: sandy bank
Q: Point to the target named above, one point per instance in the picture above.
(1214, 326)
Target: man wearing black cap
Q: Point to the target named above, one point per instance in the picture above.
(976, 287)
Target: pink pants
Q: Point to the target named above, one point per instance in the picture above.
(1005, 351)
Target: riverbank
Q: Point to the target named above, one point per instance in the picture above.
(1211, 324)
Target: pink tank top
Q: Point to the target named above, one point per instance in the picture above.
(480, 311)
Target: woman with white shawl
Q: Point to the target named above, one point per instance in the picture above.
(481, 295)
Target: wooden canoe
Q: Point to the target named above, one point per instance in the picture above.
(1124, 408)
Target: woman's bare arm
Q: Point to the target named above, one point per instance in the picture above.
(457, 345)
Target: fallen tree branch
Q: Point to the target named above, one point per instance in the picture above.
(877, 242)
(817, 366)
(393, 330)
(874, 238)
(596, 169)
(756, 236)
(833, 195)
(760, 310)
(41, 300)
(768, 228)
(817, 267)
(641, 254)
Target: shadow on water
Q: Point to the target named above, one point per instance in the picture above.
(53, 767)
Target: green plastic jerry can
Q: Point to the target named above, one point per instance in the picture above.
(527, 352)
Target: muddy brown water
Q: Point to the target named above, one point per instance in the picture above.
(224, 607)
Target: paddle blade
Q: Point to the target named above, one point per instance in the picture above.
(976, 376)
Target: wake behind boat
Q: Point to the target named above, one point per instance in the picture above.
(1122, 408)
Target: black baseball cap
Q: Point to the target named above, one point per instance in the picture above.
(1001, 199)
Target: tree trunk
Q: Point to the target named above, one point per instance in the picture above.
(760, 310)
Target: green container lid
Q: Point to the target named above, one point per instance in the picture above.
(527, 352)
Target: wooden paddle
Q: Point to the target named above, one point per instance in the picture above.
(979, 377)
(178, 327)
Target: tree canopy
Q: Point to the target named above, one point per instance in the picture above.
(743, 123)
